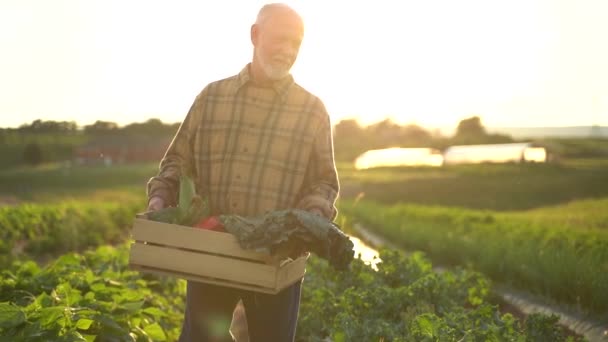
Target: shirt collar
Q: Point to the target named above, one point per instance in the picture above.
(281, 86)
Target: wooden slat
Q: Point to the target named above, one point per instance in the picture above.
(203, 264)
(191, 238)
(202, 279)
(291, 272)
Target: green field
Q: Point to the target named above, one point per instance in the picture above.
(61, 181)
(93, 296)
(540, 253)
(504, 187)
(508, 187)
(540, 228)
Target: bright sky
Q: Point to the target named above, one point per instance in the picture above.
(431, 62)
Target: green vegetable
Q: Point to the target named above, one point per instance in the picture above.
(189, 210)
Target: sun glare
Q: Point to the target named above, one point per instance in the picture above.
(520, 62)
(422, 62)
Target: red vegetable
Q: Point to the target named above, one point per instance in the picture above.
(210, 223)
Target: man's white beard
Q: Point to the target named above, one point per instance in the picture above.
(273, 71)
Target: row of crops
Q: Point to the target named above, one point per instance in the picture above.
(93, 296)
(44, 230)
(550, 252)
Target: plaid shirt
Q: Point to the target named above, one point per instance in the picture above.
(253, 149)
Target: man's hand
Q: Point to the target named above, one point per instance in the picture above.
(155, 203)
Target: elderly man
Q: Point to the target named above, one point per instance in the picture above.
(254, 142)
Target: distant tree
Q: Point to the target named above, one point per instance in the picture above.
(350, 140)
(388, 128)
(40, 126)
(152, 127)
(347, 128)
(32, 154)
(415, 136)
(101, 127)
(498, 139)
(470, 127)
(385, 133)
(471, 131)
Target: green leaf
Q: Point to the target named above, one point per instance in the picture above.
(89, 338)
(135, 321)
(89, 276)
(72, 336)
(133, 306)
(51, 315)
(425, 326)
(84, 323)
(339, 336)
(10, 316)
(186, 193)
(166, 215)
(155, 312)
(98, 287)
(86, 313)
(110, 325)
(155, 332)
(43, 300)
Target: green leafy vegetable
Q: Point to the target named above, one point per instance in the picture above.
(189, 210)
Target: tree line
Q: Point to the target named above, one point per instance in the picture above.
(150, 127)
(52, 140)
(352, 139)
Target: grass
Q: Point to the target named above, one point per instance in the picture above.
(541, 227)
(536, 251)
(61, 181)
(44, 230)
(503, 187)
(575, 215)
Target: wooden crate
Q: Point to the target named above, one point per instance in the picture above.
(207, 256)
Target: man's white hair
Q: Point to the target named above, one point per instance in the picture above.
(267, 10)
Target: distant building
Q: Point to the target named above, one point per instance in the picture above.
(494, 153)
(397, 156)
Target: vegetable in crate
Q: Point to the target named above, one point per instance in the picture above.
(210, 223)
(281, 234)
(286, 233)
(189, 210)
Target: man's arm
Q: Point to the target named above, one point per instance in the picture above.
(162, 189)
(321, 185)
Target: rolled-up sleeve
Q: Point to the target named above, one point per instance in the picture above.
(178, 160)
(321, 184)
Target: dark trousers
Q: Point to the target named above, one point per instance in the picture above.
(270, 318)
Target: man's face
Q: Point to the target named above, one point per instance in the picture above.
(277, 44)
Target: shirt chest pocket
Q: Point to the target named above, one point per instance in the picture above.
(215, 139)
(290, 151)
